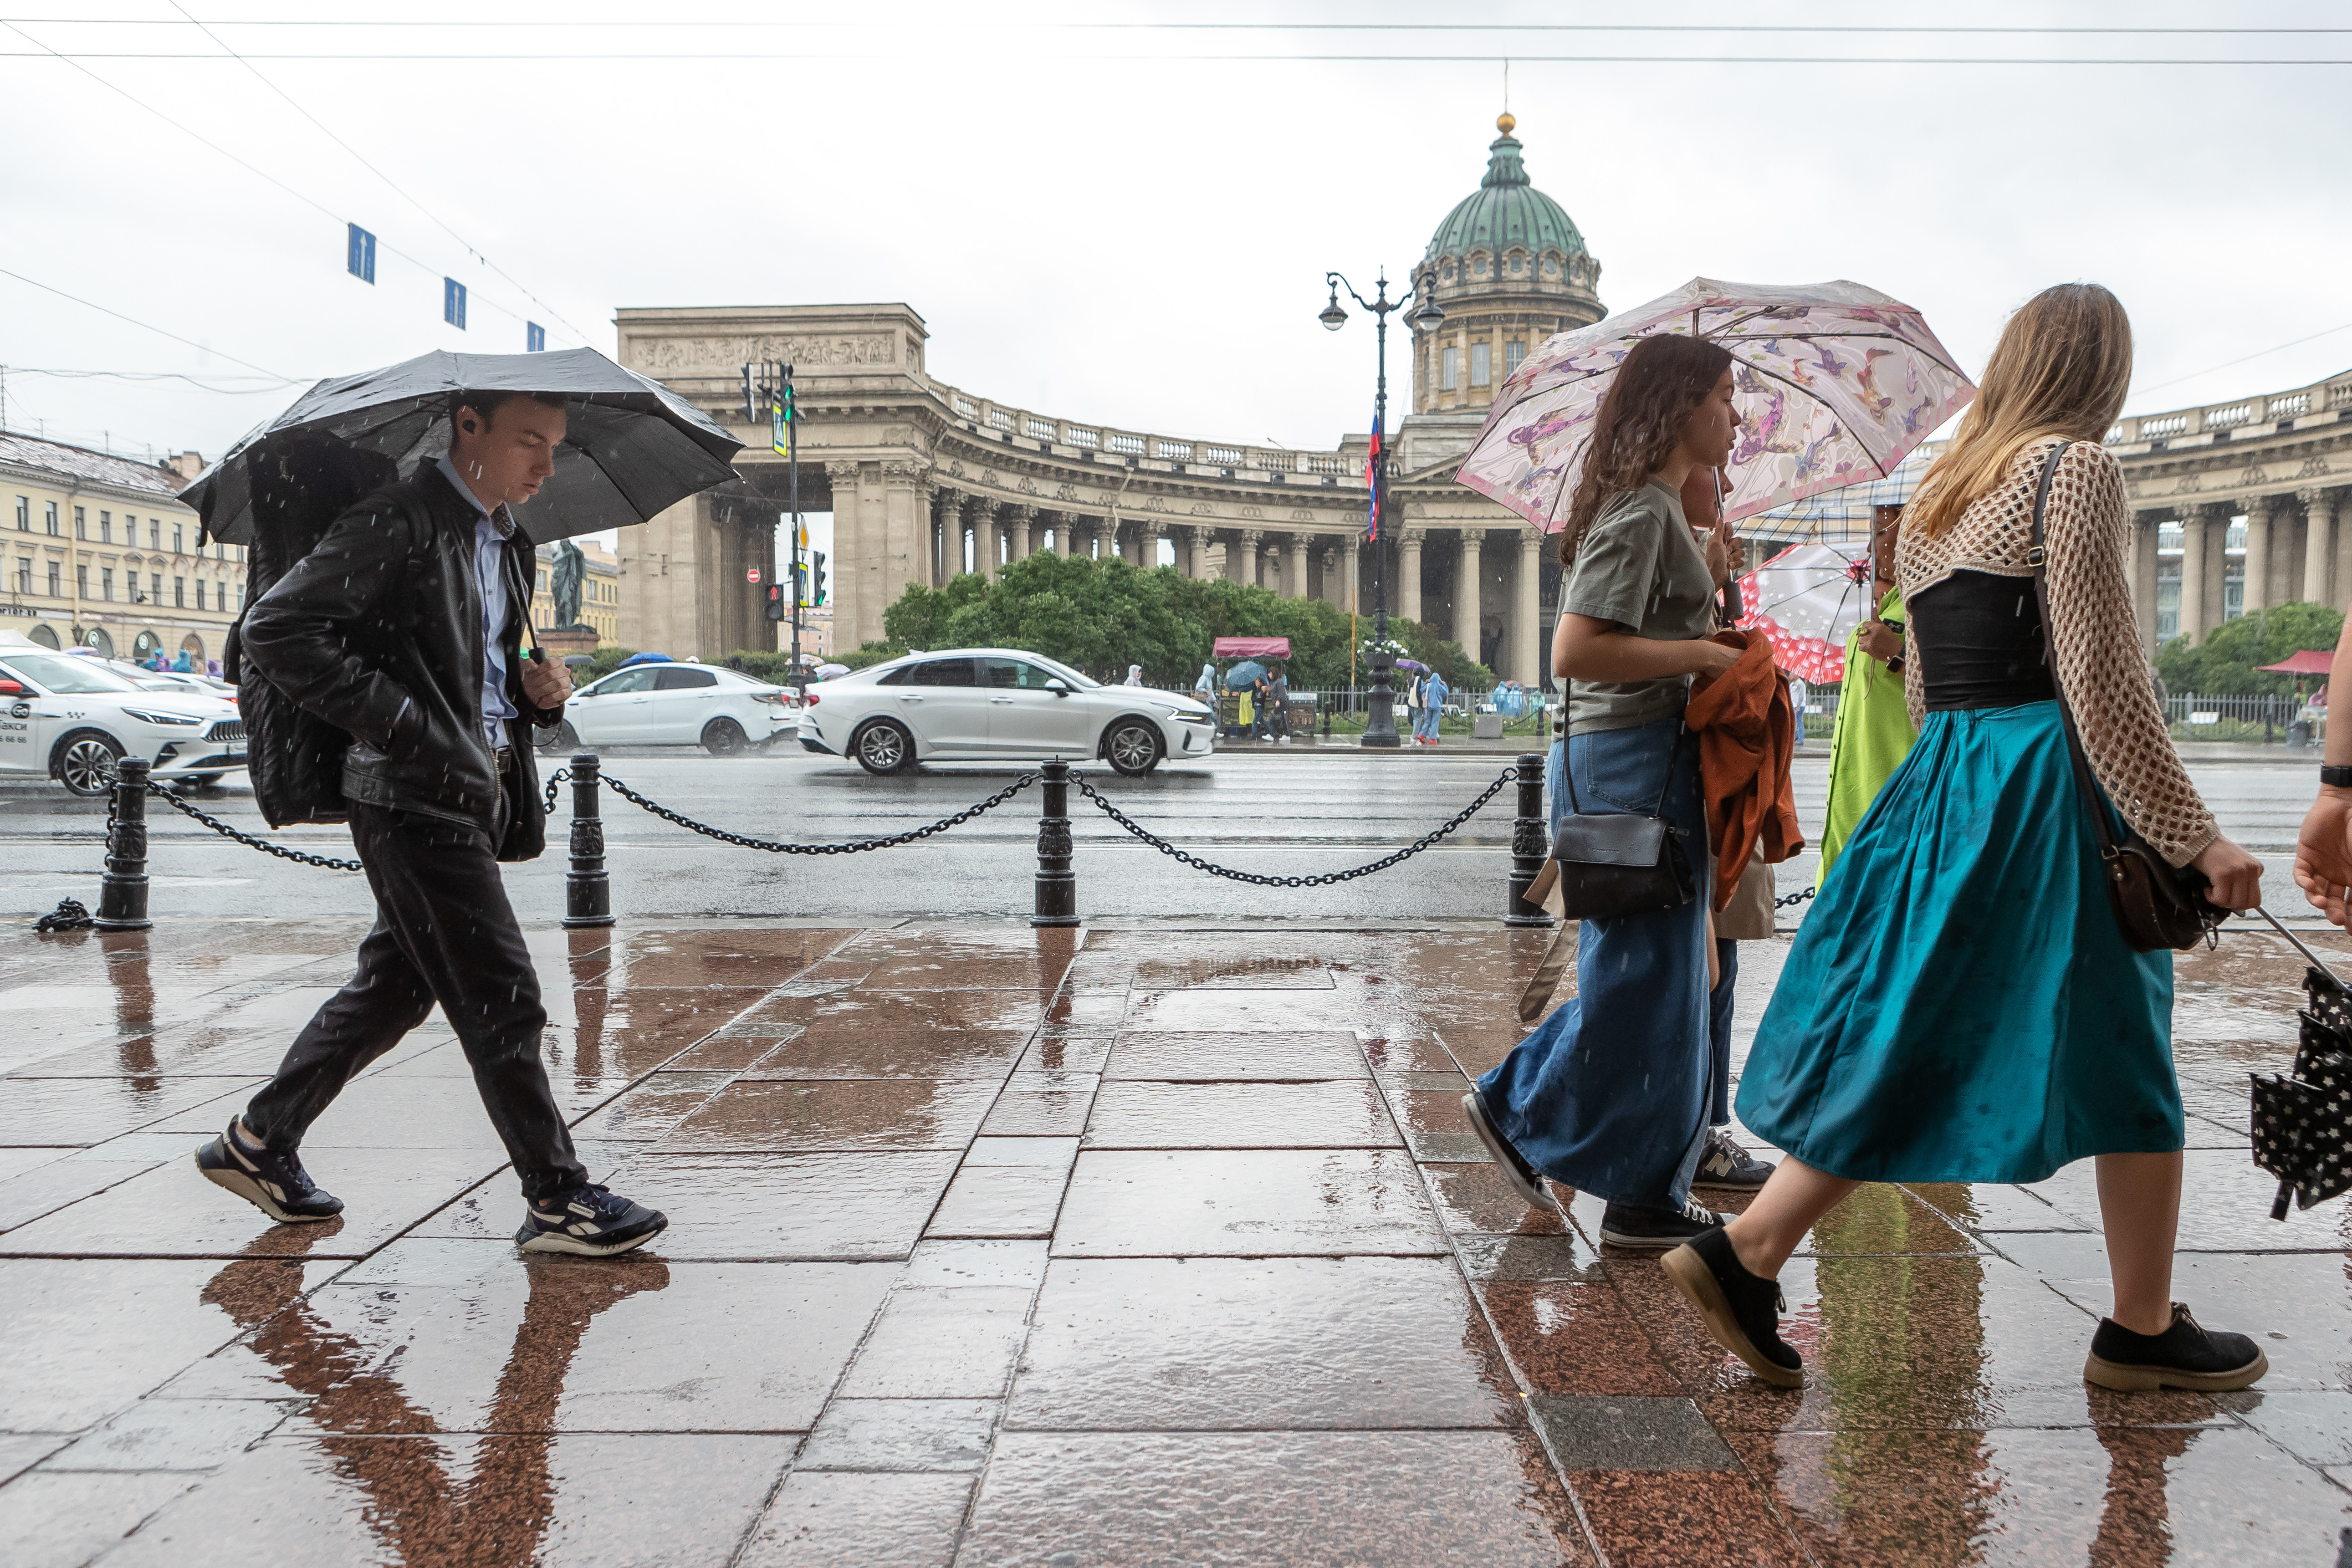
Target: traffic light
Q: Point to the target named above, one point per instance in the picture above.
(817, 599)
(779, 608)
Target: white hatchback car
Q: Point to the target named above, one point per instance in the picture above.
(70, 719)
(722, 711)
(977, 704)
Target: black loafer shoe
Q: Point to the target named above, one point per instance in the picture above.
(1724, 1164)
(1742, 1312)
(1655, 1229)
(2185, 1355)
(1524, 1179)
(276, 1185)
(588, 1221)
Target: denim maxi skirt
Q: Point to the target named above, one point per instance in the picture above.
(1609, 1095)
(1961, 1006)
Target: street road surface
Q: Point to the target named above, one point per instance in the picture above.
(1293, 813)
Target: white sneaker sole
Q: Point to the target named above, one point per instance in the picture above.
(556, 1241)
(252, 1191)
(1534, 1197)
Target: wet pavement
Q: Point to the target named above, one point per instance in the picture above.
(1129, 1246)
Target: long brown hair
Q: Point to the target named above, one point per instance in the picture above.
(1658, 387)
(2061, 369)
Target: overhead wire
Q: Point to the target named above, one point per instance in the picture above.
(542, 57)
(470, 248)
(248, 167)
(2258, 353)
(994, 26)
(202, 384)
(147, 326)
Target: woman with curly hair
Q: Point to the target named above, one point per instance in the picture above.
(1961, 1005)
(1609, 1094)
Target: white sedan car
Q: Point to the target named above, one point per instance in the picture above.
(722, 711)
(977, 704)
(71, 719)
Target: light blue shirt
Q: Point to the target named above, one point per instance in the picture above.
(491, 535)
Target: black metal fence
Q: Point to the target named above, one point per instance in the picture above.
(588, 890)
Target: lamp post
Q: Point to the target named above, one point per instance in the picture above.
(1379, 722)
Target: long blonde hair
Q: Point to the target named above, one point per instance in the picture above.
(2061, 369)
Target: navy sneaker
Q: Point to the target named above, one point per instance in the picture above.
(1724, 1164)
(1651, 1229)
(1524, 1178)
(276, 1185)
(2185, 1355)
(590, 1221)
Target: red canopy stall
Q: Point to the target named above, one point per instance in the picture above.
(1252, 648)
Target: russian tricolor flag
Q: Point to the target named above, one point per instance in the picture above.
(1373, 475)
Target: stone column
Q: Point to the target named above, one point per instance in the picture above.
(1017, 517)
(946, 536)
(851, 549)
(1525, 641)
(1147, 544)
(987, 536)
(1296, 583)
(2142, 566)
(1466, 586)
(1408, 586)
(2195, 525)
(2258, 556)
(2318, 545)
(1187, 549)
(1241, 555)
(906, 525)
(1352, 573)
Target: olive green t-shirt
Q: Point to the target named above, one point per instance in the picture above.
(1640, 567)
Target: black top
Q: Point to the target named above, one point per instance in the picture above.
(1980, 643)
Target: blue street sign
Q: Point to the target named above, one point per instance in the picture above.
(534, 338)
(361, 256)
(453, 302)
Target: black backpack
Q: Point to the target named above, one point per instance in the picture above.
(301, 481)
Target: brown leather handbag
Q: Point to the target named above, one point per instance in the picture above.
(2159, 904)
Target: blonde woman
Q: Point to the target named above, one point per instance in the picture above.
(1961, 1005)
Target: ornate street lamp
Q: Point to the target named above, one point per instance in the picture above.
(1380, 723)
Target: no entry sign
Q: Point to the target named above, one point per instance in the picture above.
(751, 573)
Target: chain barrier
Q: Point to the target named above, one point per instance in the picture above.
(225, 831)
(555, 780)
(851, 847)
(1323, 880)
(1793, 898)
(71, 914)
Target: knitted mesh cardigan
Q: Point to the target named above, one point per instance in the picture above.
(2087, 530)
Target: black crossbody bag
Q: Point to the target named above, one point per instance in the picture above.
(2159, 905)
(1622, 864)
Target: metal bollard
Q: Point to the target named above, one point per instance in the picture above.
(1530, 842)
(1057, 885)
(587, 887)
(123, 896)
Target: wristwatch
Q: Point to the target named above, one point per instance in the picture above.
(2336, 777)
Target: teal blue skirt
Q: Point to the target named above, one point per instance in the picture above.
(1961, 1004)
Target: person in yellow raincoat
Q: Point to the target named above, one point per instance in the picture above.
(1873, 732)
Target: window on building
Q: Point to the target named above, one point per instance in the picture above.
(1481, 363)
(82, 580)
(176, 547)
(2234, 541)
(105, 527)
(2167, 594)
(1513, 353)
(154, 533)
(52, 518)
(81, 523)
(2233, 590)
(1446, 379)
(24, 574)
(24, 514)
(2171, 539)
(220, 552)
(154, 587)
(200, 593)
(179, 593)
(106, 583)
(56, 584)
(240, 598)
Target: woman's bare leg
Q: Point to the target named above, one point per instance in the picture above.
(1785, 1208)
(2140, 1207)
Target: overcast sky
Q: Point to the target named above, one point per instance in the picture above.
(1137, 240)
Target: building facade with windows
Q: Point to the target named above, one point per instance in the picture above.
(97, 550)
(600, 592)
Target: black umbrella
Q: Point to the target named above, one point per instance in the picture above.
(2303, 1122)
(631, 446)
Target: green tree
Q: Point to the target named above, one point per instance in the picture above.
(2225, 663)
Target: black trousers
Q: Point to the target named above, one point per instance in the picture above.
(444, 932)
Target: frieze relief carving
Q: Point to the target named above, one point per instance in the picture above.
(1027, 487)
(1302, 515)
(1203, 509)
(2315, 468)
(2253, 475)
(1253, 511)
(1065, 492)
(2188, 484)
(675, 356)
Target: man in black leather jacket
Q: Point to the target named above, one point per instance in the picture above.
(405, 628)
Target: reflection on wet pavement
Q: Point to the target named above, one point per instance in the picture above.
(992, 1246)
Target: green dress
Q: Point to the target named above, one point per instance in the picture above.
(1873, 736)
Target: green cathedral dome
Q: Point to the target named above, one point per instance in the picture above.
(1506, 211)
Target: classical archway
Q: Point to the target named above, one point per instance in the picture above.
(145, 647)
(46, 635)
(96, 637)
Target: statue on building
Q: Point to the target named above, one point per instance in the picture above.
(565, 577)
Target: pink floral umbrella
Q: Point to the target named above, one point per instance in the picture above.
(1835, 383)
